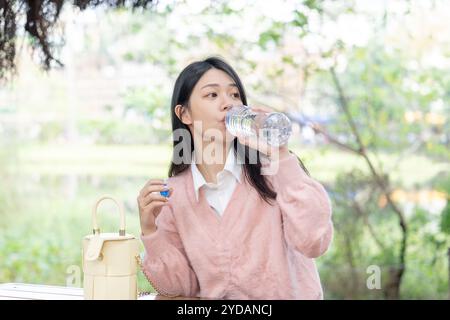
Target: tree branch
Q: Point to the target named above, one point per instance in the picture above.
(379, 180)
(372, 232)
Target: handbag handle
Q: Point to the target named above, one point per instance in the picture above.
(96, 229)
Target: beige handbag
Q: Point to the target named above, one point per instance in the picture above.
(109, 261)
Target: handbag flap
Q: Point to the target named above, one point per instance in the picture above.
(96, 242)
(94, 248)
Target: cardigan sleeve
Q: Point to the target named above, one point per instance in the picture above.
(305, 207)
(166, 264)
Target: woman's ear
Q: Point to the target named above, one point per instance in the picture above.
(183, 114)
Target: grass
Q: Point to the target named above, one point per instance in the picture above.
(152, 161)
(41, 241)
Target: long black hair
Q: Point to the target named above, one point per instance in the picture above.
(184, 85)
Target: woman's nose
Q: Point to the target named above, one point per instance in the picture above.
(226, 106)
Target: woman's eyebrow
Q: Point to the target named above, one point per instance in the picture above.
(217, 85)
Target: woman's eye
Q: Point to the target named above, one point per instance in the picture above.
(236, 95)
(212, 95)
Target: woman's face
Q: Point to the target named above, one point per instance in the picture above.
(211, 98)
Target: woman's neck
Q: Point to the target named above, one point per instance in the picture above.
(211, 158)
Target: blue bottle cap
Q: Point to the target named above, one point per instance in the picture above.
(165, 192)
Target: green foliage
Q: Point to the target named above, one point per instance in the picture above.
(40, 246)
(382, 81)
(370, 236)
(300, 21)
(445, 219)
(272, 35)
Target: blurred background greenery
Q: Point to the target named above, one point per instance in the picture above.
(366, 83)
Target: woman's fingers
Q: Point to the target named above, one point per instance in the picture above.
(153, 181)
(152, 186)
(150, 202)
(152, 197)
(154, 204)
(258, 144)
(152, 210)
(248, 141)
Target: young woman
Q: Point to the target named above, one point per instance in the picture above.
(227, 230)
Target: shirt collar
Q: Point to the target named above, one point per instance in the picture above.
(231, 165)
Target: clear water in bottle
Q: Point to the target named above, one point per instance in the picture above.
(275, 127)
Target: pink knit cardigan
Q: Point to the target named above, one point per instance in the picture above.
(254, 251)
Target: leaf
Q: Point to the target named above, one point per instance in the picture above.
(313, 5)
(267, 37)
(445, 219)
(300, 19)
(289, 59)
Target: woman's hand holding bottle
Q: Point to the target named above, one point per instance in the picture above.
(150, 203)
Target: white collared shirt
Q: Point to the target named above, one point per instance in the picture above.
(218, 195)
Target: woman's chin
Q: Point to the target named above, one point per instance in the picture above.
(228, 136)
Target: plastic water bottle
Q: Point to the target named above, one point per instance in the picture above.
(275, 127)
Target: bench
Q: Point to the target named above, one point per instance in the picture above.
(25, 291)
